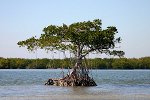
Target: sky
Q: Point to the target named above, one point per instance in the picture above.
(22, 19)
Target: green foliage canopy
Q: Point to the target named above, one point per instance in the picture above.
(80, 38)
(96, 63)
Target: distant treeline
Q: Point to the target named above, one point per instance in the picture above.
(97, 63)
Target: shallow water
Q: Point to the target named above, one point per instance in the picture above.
(30, 82)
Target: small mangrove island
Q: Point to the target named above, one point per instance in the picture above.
(80, 39)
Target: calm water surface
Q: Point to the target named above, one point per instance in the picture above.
(28, 82)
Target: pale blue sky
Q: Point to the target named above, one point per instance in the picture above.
(21, 19)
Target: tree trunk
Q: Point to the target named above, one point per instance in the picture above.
(79, 76)
(78, 58)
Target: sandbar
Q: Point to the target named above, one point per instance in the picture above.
(80, 97)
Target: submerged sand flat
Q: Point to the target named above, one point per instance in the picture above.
(80, 97)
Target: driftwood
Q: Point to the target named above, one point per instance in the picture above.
(76, 78)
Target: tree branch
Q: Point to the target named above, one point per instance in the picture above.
(90, 50)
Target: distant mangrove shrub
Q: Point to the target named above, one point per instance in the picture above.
(96, 63)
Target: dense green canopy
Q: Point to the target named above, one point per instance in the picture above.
(96, 63)
(80, 38)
